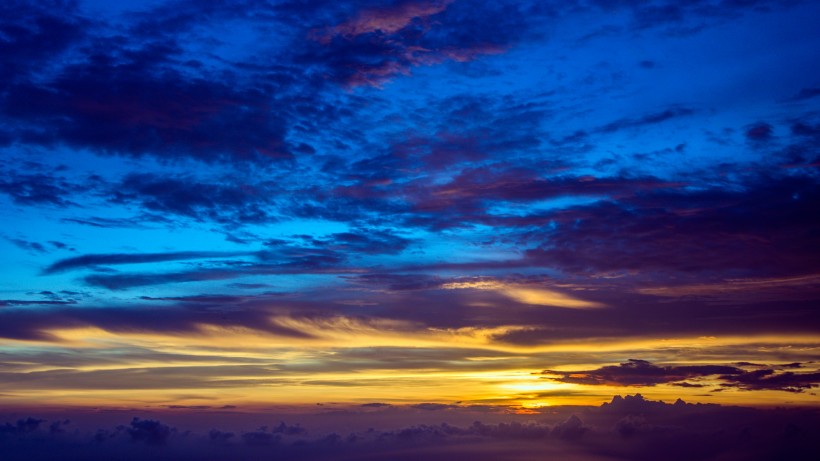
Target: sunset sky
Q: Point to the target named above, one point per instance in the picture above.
(427, 205)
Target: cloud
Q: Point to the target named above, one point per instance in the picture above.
(769, 379)
(433, 406)
(37, 324)
(357, 241)
(647, 430)
(22, 302)
(149, 431)
(381, 43)
(92, 260)
(526, 293)
(35, 33)
(389, 19)
(227, 202)
(37, 189)
(639, 373)
(33, 247)
(765, 229)
(759, 132)
(572, 428)
(646, 120)
(643, 373)
(117, 104)
(678, 18)
(22, 426)
(805, 94)
(138, 222)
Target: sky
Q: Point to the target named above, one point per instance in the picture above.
(398, 205)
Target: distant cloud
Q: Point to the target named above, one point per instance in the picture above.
(648, 119)
(643, 373)
(627, 428)
(805, 94)
(759, 132)
(86, 261)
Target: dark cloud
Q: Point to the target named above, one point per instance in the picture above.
(433, 406)
(765, 229)
(364, 241)
(37, 189)
(90, 261)
(33, 247)
(378, 43)
(114, 223)
(806, 129)
(769, 379)
(640, 373)
(217, 436)
(759, 132)
(642, 430)
(139, 87)
(572, 428)
(292, 261)
(469, 197)
(22, 426)
(286, 429)
(231, 202)
(115, 104)
(806, 93)
(34, 35)
(22, 302)
(19, 323)
(646, 120)
(58, 427)
(679, 18)
(311, 255)
(149, 431)
(643, 373)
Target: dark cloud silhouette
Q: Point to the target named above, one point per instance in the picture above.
(766, 229)
(120, 104)
(428, 168)
(229, 202)
(89, 261)
(642, 429)
(35, 33)
(24, 302)
(185, 317)
(643, 373)
(806, 93)
(36, 189)
(365, 241)
(217, 436)
(685, 18)
(149, 431)
(770, 379)
(759, 132)
(260, 438)
(35, 247)
(648, 119)
(380, 42)
(433, 406)
(572, 428)
(22, 426)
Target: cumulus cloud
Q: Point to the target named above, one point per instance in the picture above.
(626, 428)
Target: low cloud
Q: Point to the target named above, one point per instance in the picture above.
(626, 428)
(643, 373)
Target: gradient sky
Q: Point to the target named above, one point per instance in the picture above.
(510, 203)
